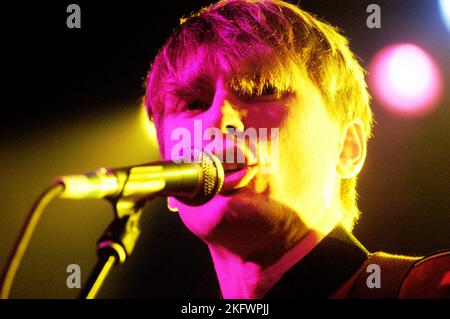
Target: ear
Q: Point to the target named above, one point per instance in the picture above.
(171, 204)
(352, 152)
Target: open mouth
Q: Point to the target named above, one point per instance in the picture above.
(232, 167)
(239, 167)
(237, 175)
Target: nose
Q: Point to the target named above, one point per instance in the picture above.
(228, 117)
(224, 113)
(231, 127)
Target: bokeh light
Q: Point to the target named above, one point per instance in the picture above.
(147, 126)
(445, 12)
(405, 79)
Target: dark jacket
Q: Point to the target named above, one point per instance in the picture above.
(340, 267)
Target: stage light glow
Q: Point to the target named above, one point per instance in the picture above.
(445, 12)
(148, 126)
(406, 80)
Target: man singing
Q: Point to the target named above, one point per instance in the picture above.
(281, 225)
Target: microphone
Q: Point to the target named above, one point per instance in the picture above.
(193, 183)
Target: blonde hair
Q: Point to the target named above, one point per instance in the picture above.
(261, 43)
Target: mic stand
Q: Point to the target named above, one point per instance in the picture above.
(115, 245)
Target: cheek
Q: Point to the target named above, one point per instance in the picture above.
(319, 157)
(176, 132)
(267, 115)
(308, 157)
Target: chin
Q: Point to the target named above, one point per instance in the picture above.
(211, 220)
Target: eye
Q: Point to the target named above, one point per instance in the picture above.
(197, 106)
(269, 90)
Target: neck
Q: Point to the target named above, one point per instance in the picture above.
(250, 279)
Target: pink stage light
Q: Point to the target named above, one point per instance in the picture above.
(405, 79)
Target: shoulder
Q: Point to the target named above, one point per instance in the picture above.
(389, 276)
(381, 276)
(429, 277)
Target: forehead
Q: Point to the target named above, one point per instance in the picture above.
(197, 72)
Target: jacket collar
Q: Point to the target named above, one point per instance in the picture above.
(331, 263)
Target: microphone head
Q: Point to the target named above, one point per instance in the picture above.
(211, 181)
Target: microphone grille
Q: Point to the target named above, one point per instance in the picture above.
(212, 178)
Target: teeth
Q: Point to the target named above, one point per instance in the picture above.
(235, 166)
(232, 166)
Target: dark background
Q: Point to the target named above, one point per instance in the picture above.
(71, 103)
